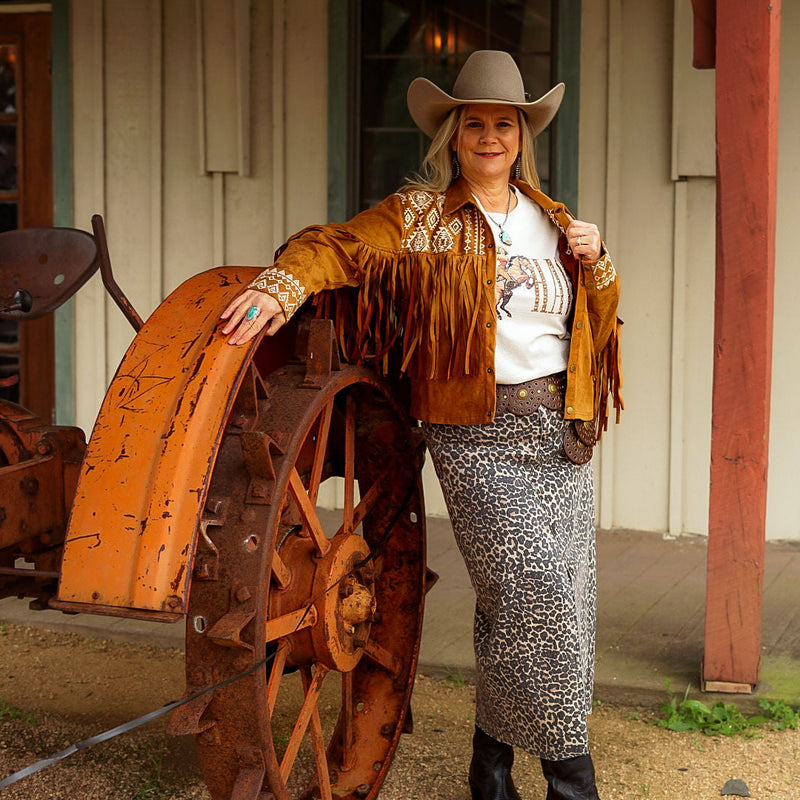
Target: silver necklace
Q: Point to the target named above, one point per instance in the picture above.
(504, 237)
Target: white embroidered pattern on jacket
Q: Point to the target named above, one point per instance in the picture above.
(426, 231)
(604, 273)
(285, 288)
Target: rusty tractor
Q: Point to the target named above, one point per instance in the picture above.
(196, 499)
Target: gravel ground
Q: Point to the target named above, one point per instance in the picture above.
(68, 688)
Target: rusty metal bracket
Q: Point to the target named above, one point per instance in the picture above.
(252, 769)
(321, 354)
(187, 719)
(227, 631)
(206, 559)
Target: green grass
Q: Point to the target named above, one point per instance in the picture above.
(153, 788)
(724, 719)
(455, 677)
(7, 711)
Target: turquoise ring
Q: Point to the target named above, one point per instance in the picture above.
(252, 313)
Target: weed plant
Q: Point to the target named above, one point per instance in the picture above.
(724, 719)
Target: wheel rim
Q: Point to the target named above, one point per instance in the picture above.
(338, 612)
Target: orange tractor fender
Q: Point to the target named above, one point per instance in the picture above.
(143, 483)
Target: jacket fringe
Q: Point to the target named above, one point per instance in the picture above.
(609, 380)
(409, 313)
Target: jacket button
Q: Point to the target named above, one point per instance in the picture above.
(490, 245)
(489, 370)
(488, 324)
(589, 285)
(570, 409)
(572, 368)
(489, 282)
(578, 325)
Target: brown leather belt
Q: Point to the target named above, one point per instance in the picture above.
(524, 398)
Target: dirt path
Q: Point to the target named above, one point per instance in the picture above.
(68, 688)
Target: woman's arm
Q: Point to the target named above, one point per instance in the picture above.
(319, 257)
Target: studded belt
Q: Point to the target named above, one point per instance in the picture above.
(524, 398)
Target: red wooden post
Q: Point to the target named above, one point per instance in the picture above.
(747, 57)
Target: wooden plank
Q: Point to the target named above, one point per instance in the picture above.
(747, 130)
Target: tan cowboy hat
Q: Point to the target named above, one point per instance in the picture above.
(488, 76)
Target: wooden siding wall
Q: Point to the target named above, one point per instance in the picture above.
(139, 88)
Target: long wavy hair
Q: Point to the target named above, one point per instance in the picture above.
(437, 171)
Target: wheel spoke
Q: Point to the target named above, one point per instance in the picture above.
(380, 655)
(318, 743)
(308, 512)
(282, 573)
(274, 683)
(323, 429)
(286, 624)
(304, 717)
(348, 752)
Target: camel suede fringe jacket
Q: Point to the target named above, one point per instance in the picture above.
(422, 268)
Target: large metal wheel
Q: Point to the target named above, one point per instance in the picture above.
(324, 615)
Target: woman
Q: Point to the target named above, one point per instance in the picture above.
(504, 307)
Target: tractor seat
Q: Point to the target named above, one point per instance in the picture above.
(41, 268)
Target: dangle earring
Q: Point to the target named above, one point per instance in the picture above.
(456, 168)
(518, 167)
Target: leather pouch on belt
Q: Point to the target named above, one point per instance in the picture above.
(579, 440)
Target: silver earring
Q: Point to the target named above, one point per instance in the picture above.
(518, 167)
(456, 167)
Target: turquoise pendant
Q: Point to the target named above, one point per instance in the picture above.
(505, 238)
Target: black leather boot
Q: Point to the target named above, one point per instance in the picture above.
(570, 779)
(490, 769)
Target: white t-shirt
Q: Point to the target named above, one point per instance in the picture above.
(533, 295)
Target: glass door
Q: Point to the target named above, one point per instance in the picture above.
(26, 194)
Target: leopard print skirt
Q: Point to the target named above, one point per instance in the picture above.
(523, 517)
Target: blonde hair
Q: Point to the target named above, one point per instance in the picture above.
(436, 173)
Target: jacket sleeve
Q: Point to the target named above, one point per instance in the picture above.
(602, 297)
(331, 256)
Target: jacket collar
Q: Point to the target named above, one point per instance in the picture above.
(459, 194)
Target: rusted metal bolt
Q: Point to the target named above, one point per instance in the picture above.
(241, 663)
(202, 569)
(44, 447)
(258, 489)
(243, 594)
(387, 731)
(95, 595)
(377, 766)
(29, 486)
(214, 505)
(173, 601)
(363, 790)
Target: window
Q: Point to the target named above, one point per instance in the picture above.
(394, 41)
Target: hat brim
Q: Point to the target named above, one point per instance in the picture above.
(429, 106)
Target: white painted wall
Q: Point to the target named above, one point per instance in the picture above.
(646, 136)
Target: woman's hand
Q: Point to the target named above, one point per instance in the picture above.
(248, 313)
(584, 239)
